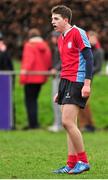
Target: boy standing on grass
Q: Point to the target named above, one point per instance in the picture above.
(74, 87)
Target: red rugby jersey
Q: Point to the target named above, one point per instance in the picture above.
(70, 47)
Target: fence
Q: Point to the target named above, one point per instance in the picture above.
(7, 121)
(6, 106)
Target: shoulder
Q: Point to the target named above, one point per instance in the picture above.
(29, 45)
(78, 30)
(81, 35)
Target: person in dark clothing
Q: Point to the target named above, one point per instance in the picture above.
(5, 58)
(86, 122)
(6, 65)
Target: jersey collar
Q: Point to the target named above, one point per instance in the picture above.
(65, 33)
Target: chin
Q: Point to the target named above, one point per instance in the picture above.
(57, 30)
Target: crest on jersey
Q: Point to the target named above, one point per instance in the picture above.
(67, 95)
(69, 44)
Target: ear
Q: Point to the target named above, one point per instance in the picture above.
(66, 20)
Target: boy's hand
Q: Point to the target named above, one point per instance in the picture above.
(86, 88)
(85, 91)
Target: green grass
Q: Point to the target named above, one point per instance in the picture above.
(35, 154)
(98, 101)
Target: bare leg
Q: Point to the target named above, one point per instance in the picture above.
(71, 149)
(85, 117)
(89, 115)
(76, 153)
(69, 120)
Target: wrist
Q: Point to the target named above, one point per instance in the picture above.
(87, 82)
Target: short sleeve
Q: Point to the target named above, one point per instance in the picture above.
(81, 39)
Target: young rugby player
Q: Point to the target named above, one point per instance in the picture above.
(75, 85)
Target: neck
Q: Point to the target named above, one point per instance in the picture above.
(67, 27)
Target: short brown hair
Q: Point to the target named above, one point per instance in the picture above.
(64, 11)
(33, 32)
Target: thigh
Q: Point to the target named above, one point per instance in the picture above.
(32, 90)
(37, 89)
(70, 93)
(70, 113)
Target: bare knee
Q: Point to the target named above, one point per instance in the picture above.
(64, 124)
(69, 116)
(67, 123)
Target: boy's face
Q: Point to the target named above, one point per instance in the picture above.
(58, 22)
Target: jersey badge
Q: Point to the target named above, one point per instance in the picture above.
(68, 96)
(69, 44)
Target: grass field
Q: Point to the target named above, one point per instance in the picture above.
(99, 102)
(35, 154)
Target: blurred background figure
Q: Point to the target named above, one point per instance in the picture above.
(36, 57)
(5, 57)
(6, 64)
(86, 121)
(56, 66)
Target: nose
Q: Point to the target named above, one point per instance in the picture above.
(52, 21)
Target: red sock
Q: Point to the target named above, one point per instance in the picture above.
(83, 157)
(72, 160)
